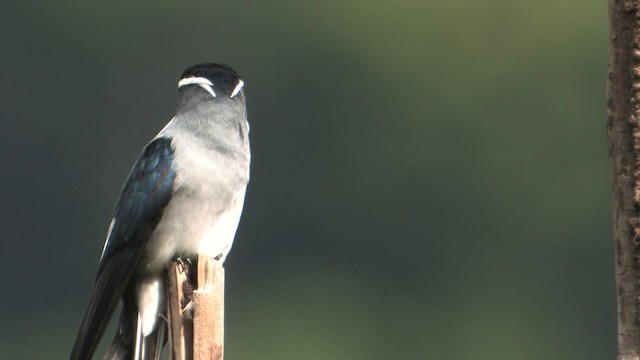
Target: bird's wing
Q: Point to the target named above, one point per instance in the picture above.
(139, 208)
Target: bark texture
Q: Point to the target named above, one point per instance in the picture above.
(195, 314)
(180, 324)
(208, 311)
(623, 128)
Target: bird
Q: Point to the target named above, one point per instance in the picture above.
(182, 198)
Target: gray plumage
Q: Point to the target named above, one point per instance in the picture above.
(210, 138)
(183, 198)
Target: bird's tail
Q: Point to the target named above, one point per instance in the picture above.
(125, 345)
(102, 302)
(122, 346)
(153, 343)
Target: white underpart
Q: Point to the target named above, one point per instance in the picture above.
(113, 222)
(194, 221)
(237, 89)
(138, 349)
(148, 305)
(196, 80)
(214, 236)
(218, 238)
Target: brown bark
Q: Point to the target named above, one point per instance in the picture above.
(179, 323)
(196, 317)
(623, 130)
(208, 311)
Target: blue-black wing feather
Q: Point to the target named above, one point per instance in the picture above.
(145, 194)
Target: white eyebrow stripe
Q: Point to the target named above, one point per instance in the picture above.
(237, 89)
(197, 80)
(209, 89)
(194, 80)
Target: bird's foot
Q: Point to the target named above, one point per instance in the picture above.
(184, 263)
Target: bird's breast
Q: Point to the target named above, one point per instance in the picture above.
(204, 211)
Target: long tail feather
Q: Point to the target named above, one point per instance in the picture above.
(122, 346)
(103, 301)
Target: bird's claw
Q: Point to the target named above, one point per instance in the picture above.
(184, 263)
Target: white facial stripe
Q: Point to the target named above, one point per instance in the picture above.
(194, 80)
(237, 89)
(203, 82)
(209, 89)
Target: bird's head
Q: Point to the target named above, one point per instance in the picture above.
(217, 79)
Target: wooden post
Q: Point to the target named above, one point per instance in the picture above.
(208, 319)
(196, 333)
(180, 324)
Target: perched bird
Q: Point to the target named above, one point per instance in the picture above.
(182, 198)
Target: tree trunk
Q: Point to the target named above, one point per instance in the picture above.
(623, 130)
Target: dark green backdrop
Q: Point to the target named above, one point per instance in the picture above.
(430, 178)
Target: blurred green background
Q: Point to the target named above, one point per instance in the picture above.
(429, 179)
